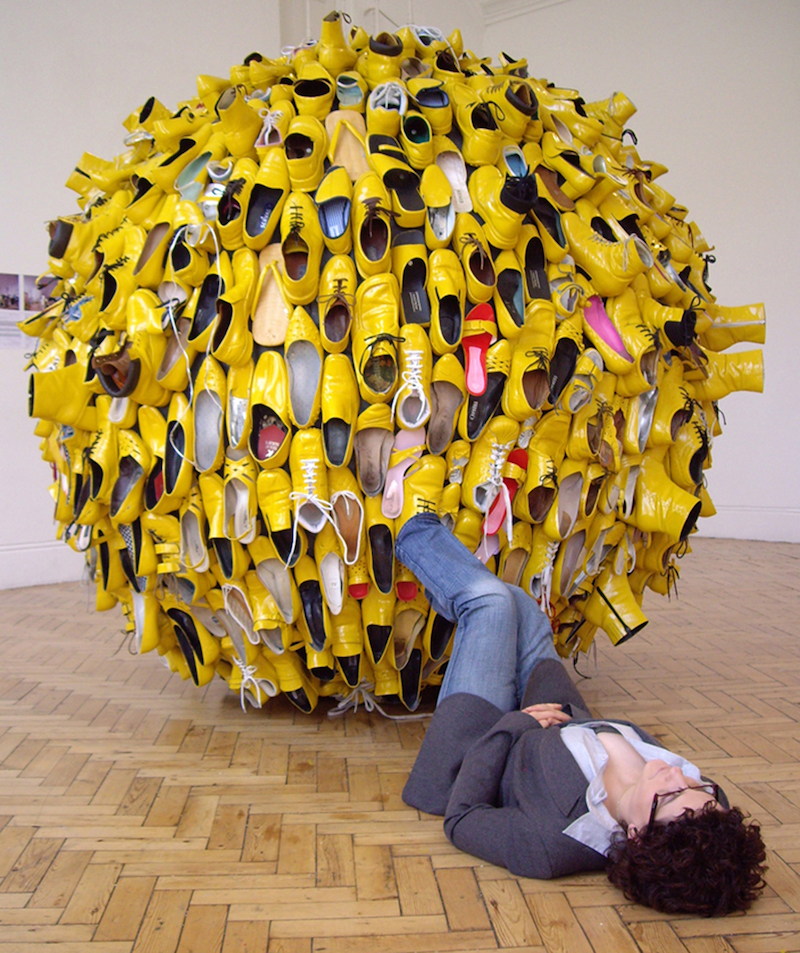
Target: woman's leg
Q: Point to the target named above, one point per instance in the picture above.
(460, 588)
(534, 638)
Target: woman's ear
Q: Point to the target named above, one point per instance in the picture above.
(631, 831)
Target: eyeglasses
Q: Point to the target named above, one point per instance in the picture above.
(668, 796)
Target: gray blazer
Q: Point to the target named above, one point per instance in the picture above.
(506, 787)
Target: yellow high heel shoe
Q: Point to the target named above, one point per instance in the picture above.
(613, 608)
(347, 642)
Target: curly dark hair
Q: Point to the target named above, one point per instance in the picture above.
(708, 863)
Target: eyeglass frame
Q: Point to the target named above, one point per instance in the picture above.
(710, 787)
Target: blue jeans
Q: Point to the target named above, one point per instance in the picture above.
(501, 632)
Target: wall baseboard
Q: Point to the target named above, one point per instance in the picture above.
(37, 564)
(773, 524)
(497, 11)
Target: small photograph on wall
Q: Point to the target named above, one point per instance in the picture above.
(10, 311)
(36, 296)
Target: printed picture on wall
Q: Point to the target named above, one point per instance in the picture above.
(10, 311)
(37, 295)
(9, 293)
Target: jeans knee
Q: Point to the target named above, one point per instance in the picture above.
(491, 595)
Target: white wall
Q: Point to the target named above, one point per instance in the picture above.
(71, 73)
(717, 83)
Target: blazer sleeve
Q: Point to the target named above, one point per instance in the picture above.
(549, 682)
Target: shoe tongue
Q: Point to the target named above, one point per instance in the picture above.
(519, 193)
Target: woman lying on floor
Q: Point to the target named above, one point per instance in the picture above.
(528, 780)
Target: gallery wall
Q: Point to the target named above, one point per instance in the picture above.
(717, 84)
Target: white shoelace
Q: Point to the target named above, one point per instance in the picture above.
(251, 686)
(495, 485)
(362, 694)
(547, 576)
(309, 495)
(411, 385)
(389, 96)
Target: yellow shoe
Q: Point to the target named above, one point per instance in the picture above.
(209, 411)
(194, 549)
(660, 505)
(687, 456)
(314, 91)
(475, 119)
(201, 308)
(509, 295)
(309, 480)
(302, 246)
(372, 218)
(266, 200)
(422, 491)
(358, 581)
(306, 147)
(410, 267)
(400, 180)
(451, 162)
(477, 410)
(515, 553)
(528, 385)
(272, 307)
(347, 133)
(411, 402)
(731, 326)
(178, 452)
(613, 608)
(275, 128)
(483, 476)
(409, 624)
(240, 122)
(337, 292)
(340, 404)
(300, 688)
(674, 405)
(303, 357)
(440, 216)
(237, 419)
(373, 447)
(127, 501)
(231, 341)
(416, 138)
(382, 59)
(545, 453)
(447, 394)
(611, 266)
(502, 203)
(347, 642)
(232, 558)
(348, 513)
(515, 105)
(433, 101)
(352, 91)
(333, 199)
(270, 430)
(731, 372)
(240, 511)
(275, 576)
(380, 533)
(273, 490)
(447, 291)
(313, 621)
(377, 617)
(469, 242)
(376, 336)
(234, 200)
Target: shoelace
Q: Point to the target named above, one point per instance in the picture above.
(389, 96)
(373, 210)
(411, 381)
(373, 341)
(547, 577)
(270, 126)
(291, 51)
(495, 486)
(472, 240)
(362, 695)
(250, 688)
(539, 359)
(526, 431)
(295, 219)
(309, 495)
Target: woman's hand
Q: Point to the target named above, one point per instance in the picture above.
(547, 714)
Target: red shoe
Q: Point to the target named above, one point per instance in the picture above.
(480, 332)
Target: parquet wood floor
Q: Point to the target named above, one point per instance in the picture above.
(138, 813)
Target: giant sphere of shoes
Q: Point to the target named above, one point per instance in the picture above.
(287, 294)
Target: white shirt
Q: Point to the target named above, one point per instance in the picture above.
(597, 828)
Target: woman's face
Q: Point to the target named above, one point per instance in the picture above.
(658, 777)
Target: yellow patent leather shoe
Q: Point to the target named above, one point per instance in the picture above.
(270, 429)
(273, 489)
(371, 216)
(447, 292)
(306, 147)
(303, 358)
(469, 242)
(302, 246)
(376, 336)
(410, 267)
(339, 403)
(440, 216)
(447, 395)
(502, 203)
(333, 199)
(337, 290)
(266, 199)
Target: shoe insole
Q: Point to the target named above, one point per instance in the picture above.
(337, 321)
(304, 368)
(130, 473)
(223, 549)
(348, 516)
(349, 95)
(175, 349)
(295, 257)
(446, 400)
(475, 348)
(263, 203)
(336, 436)
(237, 418)
(268, 433)
(568, 503)
(550, 220)
(509, 288)
(516, 561)
(331, 577)
(441, 630)
(208, 423)
(154, 487)
(270, 314)
(452, 164)
(374, 239)
(298, 146)
(535, 274)
(562, 366)
(235, 509)
(174, 454)
(417, 130)
(334, 216)
(373, 448)
(381, 548)
(378, 637)
(540, 499)
(213, 286)
(349, 666)
(156, 237)
(442, 220)
(536, 386)
(349, 152)
(450, 319)
(482, 269)
(411, 680)
(311, 600)
(405, 186)
(192, 545)
(480, 409)
(186, 650)
(274, 575)
(416, 306)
